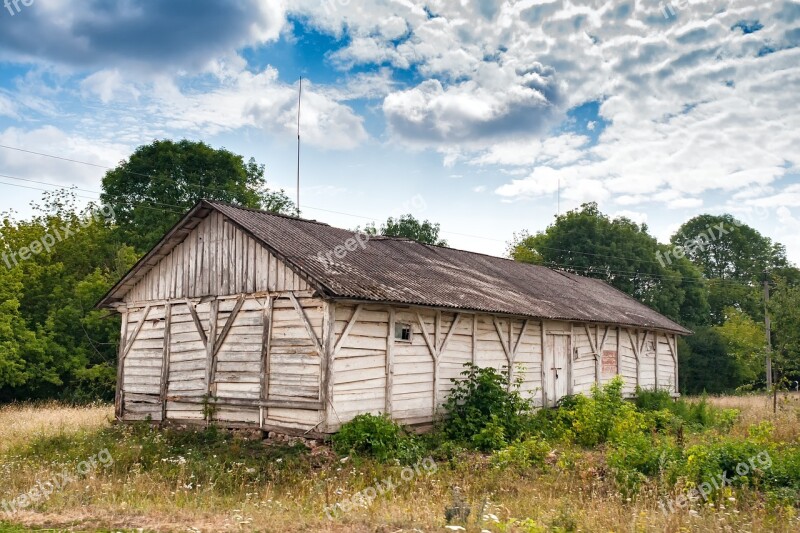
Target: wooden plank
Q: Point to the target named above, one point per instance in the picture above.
(544, 382)
(449, 335)
(349, 327)
(675, 355)
(635, 347)
(265, 355)
(474, 355)
(165, 361)
(228, 324)
(199, 325)
(656, 362)
(118, 401)
(327, 384)
(499, 330)
(389, 364)
(425, 336)
(210, 354)
(136, 332)
(309, 328)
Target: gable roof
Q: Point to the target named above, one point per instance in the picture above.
(403, 271)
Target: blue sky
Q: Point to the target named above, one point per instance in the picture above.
(468, 113)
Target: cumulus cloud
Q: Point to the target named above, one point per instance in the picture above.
(499, 103)
(146, 35)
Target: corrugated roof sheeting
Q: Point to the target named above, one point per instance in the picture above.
(404, 271)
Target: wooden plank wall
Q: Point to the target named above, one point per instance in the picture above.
(215, 259)
(359, 369)
(215, 350)
(260, 356)
(584, 361)
(627, 361)
(666, 365)
(143, 364)
(365, 356)
(187, 360)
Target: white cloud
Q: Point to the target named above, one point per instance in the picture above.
(30, 166)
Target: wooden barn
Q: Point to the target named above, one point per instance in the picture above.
(251, 319)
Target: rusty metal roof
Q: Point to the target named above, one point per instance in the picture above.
(403, 271)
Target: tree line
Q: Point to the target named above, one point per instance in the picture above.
(54, 344)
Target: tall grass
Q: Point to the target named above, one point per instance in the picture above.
(171, 480)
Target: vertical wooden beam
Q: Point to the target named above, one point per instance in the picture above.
(636, 351)
(618, 335)
(437, 331)
(165, 361)
(389, 363)
(656, 360)
(266, 338)
(598, 354)
(675, 352)
(118, 401)
(212, 338)
(330, 357)
(570, 357)
(544, 380)
(474, 338)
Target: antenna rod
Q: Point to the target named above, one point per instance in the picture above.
(299, 96)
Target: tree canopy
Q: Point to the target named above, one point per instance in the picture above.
(409, 227)
(708, 278)
(620, 252)
(160, 181)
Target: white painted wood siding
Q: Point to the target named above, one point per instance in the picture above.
(215, 259)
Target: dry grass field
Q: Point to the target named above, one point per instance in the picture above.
(174, 480)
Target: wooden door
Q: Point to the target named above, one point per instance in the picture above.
(556, 368)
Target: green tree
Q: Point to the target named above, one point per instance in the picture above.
(732, 256)
(54, 343)
(725, 248)
(705, 365)
(784, 311)
(407, 226)
(745, 342)
(620, 252)
(160, 181)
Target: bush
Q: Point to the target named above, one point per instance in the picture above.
(635, 457)
(532, 452)
(594, 418)
(696, 415)
(378, 437)
(484, 410)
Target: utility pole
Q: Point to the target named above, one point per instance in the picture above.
(299, 98)
(767, 329)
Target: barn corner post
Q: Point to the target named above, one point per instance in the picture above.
(326, 372)
(390, 363)
(121, 350)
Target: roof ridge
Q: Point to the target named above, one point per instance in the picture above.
(263, 212)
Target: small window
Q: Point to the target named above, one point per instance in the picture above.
(402, 332)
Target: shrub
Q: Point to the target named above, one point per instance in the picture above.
(594, 418)
(654, 400)
(697, 415)
(484, 410)
(635, 457)
(378, 437)
(531, 452)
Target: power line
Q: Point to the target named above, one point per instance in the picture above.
(182, 209)
(159, 210)
(549, 264)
